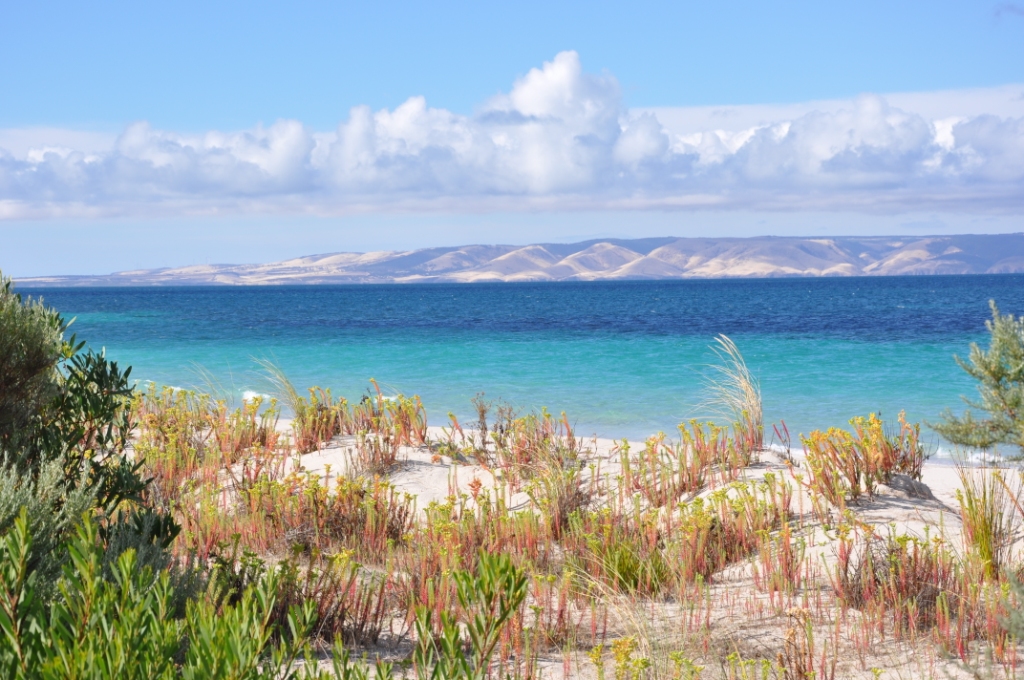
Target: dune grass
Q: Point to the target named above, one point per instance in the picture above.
(735, 394)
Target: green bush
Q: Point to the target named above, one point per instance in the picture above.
(489, 599)
(65, 422)
(53, 507)
(999, 371)
(122, 627)
(31, 344)
(59, 401)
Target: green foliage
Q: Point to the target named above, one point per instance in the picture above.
(62, 405)
(1014, 621)
(618, 553)
(989, 520)
(490, 598)
(96, 628)
(123, 627)
(53, 507)
(999, 371)
(59, 402)
(148, 535)
(31, 344)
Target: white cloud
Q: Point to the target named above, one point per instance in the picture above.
(560, 139)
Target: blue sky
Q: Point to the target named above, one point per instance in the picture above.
(158, 134)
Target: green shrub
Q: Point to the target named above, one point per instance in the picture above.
(61, 402)
(489, 599)
(65, 421)
(999, 371)
(31, 344)
(54, 508)
(122, 626)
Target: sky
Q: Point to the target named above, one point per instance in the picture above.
(140, 135)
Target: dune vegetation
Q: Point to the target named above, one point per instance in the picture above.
(166, 533)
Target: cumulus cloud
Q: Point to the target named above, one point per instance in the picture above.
(560, 138)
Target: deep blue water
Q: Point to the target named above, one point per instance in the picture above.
(622, 358)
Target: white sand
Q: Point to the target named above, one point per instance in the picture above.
(926, 508)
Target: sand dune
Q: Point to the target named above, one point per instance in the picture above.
(655, 258)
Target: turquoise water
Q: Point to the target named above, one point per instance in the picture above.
(622, 359)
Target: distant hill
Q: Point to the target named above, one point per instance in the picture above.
(606, 259)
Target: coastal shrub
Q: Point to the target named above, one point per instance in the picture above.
(31, 345)
(53, 508)
(88, 426)
(125, 626)
(61, 403)
(488, 598)
(999, 371)
(66, 456)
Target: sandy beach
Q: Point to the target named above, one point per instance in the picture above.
(736, 615)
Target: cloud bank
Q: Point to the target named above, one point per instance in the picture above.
(560, 139)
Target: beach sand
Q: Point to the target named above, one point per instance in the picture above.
(738, 617)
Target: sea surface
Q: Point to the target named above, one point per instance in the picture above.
(622, 359)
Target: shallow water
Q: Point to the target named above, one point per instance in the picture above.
(623, 359)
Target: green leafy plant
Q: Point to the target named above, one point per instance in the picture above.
(31, 344)
(489, 599)
(999, 371)
(53, 508)
(122, 626)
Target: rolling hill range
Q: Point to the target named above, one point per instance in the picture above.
(606, 259)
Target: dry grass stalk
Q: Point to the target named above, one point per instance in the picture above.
(736, 394)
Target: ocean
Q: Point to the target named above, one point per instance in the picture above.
(622, 359)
